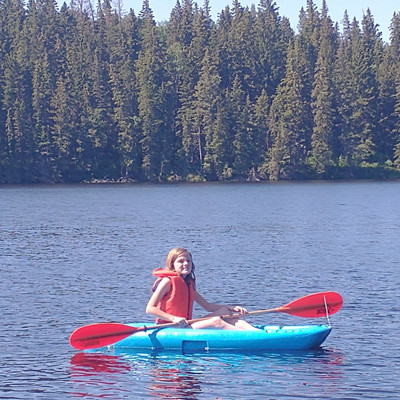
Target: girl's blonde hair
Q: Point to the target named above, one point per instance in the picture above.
(173, 255)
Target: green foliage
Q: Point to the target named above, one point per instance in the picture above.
(89, 94)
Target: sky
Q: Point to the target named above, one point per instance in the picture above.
(382, 10)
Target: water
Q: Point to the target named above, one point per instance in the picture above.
(74, 255)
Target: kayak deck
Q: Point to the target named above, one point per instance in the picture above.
(268, 337)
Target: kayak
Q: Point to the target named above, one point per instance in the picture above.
(166, 336)
(268, 337)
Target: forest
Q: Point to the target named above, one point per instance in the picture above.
(92, 93)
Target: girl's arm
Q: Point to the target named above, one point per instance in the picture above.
(162, 289)
(221, 308)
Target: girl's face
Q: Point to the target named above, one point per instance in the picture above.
(183, 265)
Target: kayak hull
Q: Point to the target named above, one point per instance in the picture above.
(268, 337)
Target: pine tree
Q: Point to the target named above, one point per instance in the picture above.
(358, 140)
(102, 133)
(219, 149)
(15, 140)
(152, 102)
(323, 156)
(243, 145)
(207, 99)
(79, 80)
(289, 123)
(263, 142)
(395, 57)
(41, 30)
(124, 88)
(397, 128)
(386, 79)
(19, 146)
(343, 93)
(183, 78)
(222, 43)
(62, 117)
(272, 34)
(202, 31)
(241, 49)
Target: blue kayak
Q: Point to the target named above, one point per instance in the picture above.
(268, 337)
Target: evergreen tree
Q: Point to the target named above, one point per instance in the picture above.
(289, 123)
(219, 148)
(184, 75)
(270, 39)
(124, 88)
(395, 57)
(102, 132)
(343, 94)
(241, 50)
(262, 139)
(358, 141)
(41, 30)
(207, 99)
(15, 145)
(386, 79)
(397, 128)
(243, 145)
(222, 43)
(323, 156)
(62, 116)
(152, 101)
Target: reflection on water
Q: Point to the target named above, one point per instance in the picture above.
(91, 374)
(176, 376)
(86, 364)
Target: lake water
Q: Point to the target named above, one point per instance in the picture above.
(74, 255)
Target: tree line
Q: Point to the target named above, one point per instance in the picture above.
(90, 92)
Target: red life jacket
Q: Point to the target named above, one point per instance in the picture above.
(179, 300)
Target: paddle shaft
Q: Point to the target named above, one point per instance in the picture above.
(283, 309)
(189, 322)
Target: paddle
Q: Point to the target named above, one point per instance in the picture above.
(103, 334)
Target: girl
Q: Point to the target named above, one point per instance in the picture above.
(174, 292)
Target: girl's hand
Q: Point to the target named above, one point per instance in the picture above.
(238, 309)
(180, 322)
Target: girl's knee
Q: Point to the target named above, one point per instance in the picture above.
(220, 323)
(217, 322)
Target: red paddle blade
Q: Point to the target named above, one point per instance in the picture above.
(314, 305)
(99, 335)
